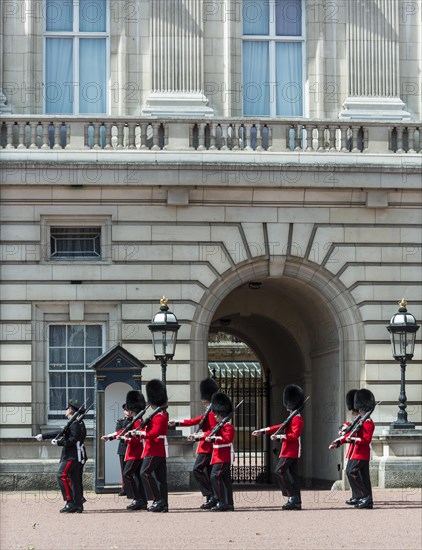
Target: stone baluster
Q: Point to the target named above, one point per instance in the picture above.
(144, 135)
(201, 136)
(213, 136)
(68, 145)
(131, 137)
(155, 136)
(57, 140)
(96, 144)
(309, 130)
(33, 144)
(45, 140)
(411, 139)
(355, 138)
(332, 142)
(399, 130)
(321, 132)
(21, 135)
(258, 136)
(108, 125)
(120, 134)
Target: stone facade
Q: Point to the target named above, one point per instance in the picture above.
(195, 201)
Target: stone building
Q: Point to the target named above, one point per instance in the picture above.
(256, 161)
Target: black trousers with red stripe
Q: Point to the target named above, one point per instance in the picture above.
(131, 476)
(287, 477)
(221, 482)
(69, 481)
(201, 472)
(125, 485)
(357, 472)
(154, 478)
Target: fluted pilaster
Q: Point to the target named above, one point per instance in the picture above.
(373, 60)
(177, 58)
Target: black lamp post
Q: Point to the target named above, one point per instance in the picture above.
(402, 329)
(164, 327)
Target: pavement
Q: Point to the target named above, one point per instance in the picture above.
(31, 521)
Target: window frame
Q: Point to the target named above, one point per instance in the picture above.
(92, 255)
(49, 412)
(102, 222)
(272, 39)
(75, 34)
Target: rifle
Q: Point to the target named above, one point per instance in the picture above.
(151, 416)
(218, 426)
(355, 426)
(291, 415)
(203, 420)
(82, 415)
(129, 426)
(71, 420)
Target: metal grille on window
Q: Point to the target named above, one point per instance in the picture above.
(75, 242)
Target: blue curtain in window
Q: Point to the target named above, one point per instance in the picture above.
(59, 15)
(255, 14)
(288, 17)
(92, 75)
(92, 15)
(289, 79)
(59, 70)
(256, 85)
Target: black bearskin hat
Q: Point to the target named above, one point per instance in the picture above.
(364, 399)
(73, 404)
(207, 388)
(350, 400)
(156, 392)
(293, 397)
(221, 404)
(135, 401)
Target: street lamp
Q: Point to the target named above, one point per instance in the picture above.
(402, 329)
(164, 327)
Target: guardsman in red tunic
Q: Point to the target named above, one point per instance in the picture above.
(154, 467)
(286, 469)
(207, 421)
(357, 469)
(350, 398)
(135, 403)
(222, 454)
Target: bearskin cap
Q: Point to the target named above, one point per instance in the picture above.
(156, 392)
(221, 404)
(73, 404)
(350, 400)
(364, 399)
(207, 388)
(293, 397)
(135, 401)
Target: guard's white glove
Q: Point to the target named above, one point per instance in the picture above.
(38, 437)
(54, 441)
(278, 436)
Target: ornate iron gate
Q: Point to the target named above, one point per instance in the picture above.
(245, 380)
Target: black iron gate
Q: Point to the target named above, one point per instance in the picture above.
(245, 380)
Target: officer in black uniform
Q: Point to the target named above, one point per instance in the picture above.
(69, 471)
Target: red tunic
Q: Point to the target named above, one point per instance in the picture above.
(204, 447)
(155, 435)
(291, 447)
(135, 446)
(361, 450)
(221, 449)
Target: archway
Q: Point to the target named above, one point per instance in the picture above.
(305, 328)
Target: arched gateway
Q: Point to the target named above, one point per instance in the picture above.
(305, 328)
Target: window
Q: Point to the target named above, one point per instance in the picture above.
(71, 348)
(76, 52)
(67, 243)
(273, 43)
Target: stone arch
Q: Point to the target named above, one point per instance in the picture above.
(317, 304)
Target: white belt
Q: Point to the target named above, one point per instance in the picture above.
(221, 446)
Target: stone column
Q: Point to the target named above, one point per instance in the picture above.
(373, 61)
(177, 59)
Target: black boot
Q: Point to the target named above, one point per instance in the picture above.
(365, 502)
(211, 502)
(292, 504)
(352, 501)
(137, 505)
